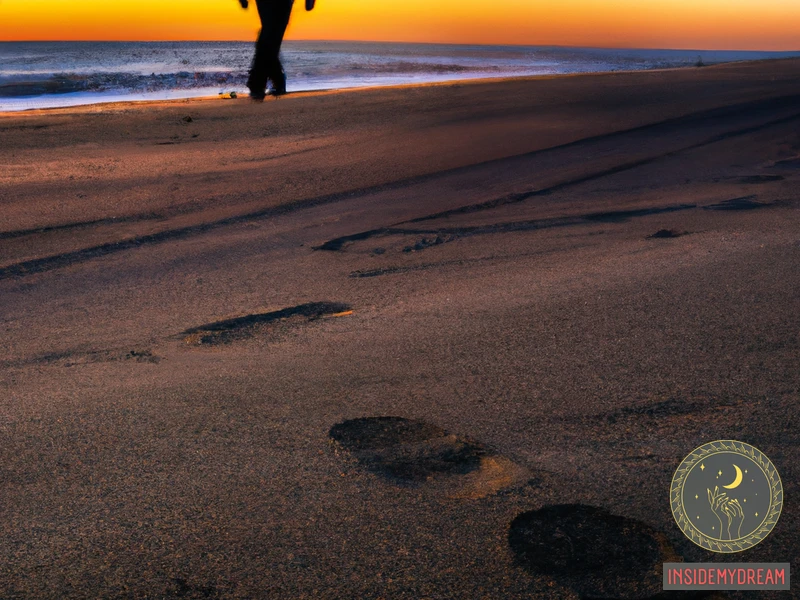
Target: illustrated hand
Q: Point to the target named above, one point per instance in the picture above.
(735, 514)
(243, 3)
(717, 501)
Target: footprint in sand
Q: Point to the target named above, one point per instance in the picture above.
(665, 234)
(239, 328)
(756, 179)
(415, 453)
(743, 203)
(595, 553)
(788, 163)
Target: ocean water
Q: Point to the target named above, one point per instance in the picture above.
(57, 74)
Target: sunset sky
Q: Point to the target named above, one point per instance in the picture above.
(702, 24)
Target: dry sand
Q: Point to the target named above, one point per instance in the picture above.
(193, 294)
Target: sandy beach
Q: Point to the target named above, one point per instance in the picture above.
(340, 344)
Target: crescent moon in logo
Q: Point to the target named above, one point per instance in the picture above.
(736, 481)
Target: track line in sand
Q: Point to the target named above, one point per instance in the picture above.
(453, 233)
(57, 261)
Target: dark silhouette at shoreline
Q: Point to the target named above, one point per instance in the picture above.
(266, 67)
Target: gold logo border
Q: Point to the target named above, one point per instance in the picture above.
(685, 524)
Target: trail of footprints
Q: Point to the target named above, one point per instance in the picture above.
(584, 548)
(594, 553)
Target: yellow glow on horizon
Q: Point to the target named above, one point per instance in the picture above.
(700, 24)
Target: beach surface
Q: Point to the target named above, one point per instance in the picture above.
(409, 342)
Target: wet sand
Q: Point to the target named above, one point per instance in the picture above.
(342, 344)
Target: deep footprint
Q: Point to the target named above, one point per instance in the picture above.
(744, 203)
(222, 332)
(596, 553)
(408, 452)
(760, 178)
(664, 234)
(789, 163)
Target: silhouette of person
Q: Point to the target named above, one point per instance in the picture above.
(266, 66)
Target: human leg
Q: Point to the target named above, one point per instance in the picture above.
(280, 12)
(266, 65)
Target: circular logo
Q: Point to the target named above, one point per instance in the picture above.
(726, 496)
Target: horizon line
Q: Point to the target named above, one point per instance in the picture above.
(600, 47)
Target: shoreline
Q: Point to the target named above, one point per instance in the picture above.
(471, 80)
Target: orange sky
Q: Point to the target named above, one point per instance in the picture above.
(703, 24)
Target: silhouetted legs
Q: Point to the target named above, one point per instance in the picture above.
(274, 16)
